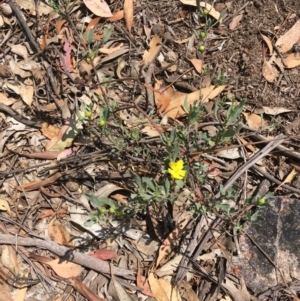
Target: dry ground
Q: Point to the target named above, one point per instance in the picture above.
(57, 170)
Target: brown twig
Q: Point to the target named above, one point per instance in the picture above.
(274, 180)
(67, 254)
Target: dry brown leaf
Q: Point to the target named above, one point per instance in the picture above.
(5, 294)
(49, 212)
(174, 110)
(288, 179)
(212, 12)
(249, 146)
(167, 245)
(255, 121)
(113, 55)
(231, 153)
(84, 290)
(150, 131)
(118, 15)
(269, 43)
(291, 37)
(172, 68)
(4, 206)
(275, 110)
(269, 72)
(117, 291)
(198, 64)
(163, 290)
(120, 198)
(20, 294)
(162, 96)
(98, 7)
(170, 290)
(25, 91)
(157, 290)
(292, 60)
(12, 261)
(111, 50)
(92, 24)
(65, 269)
(59, 24)
(5, 71)
(38, 184)
(59, 234)
(29, 6)
(153, 48)
(181, 41)
(19, 50)
(235, 22)
(5, 100)
(187, 292)
(15, 68)
(128, 13)
(142, 282)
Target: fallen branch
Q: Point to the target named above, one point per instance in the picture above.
(67, 254)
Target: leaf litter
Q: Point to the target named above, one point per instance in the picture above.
(60, 73)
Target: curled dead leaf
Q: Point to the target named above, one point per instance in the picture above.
(59, 234)
(235, 22)
(291, 37)
(255, 121)
(269, 43)
(128, 13)
(198, 64)
(65, 269)
(153, 48)
(4, 206)
(269, 72)
(175, 108)
(118, 15)
(292, 60)
(98, 7)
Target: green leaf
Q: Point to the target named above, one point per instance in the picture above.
(228, 135)
(179, 183)
(167, 186)
(149, 182)
(137, 179)
(106, 35)
(175, 151)
(89, 36)
(99, 201)
(234, 112)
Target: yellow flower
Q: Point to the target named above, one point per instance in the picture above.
(176, 170)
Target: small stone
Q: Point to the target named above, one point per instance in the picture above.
(5, 9)
(72, 186)
(171, 56)
(157, 29)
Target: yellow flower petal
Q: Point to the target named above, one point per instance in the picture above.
(176, 165)
(177, 174)
(176, 170)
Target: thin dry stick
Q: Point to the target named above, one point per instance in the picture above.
(274, 180)
(67, 254)
(262, 153)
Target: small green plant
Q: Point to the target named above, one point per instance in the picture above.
(201, 48)
(202, 34)
(178, 166)
(93, 48)
(221, 79)
(208, 24)
(57, 8)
